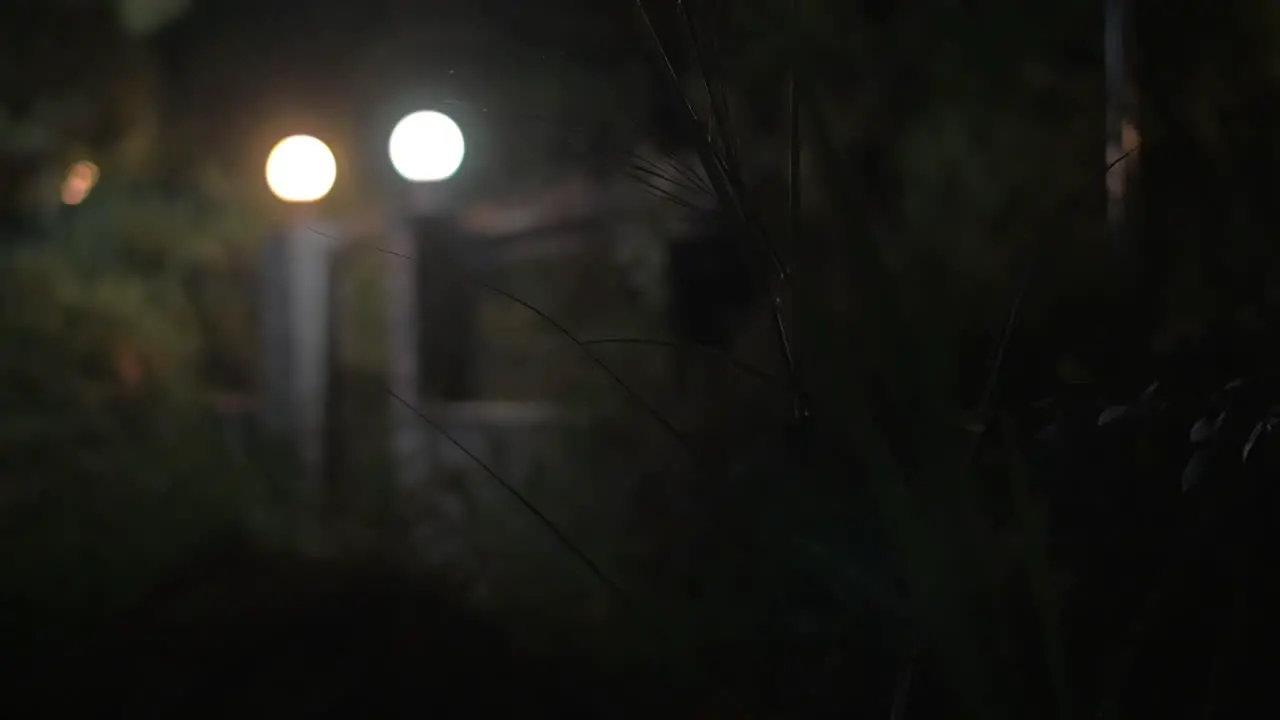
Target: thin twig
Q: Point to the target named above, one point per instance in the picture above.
(992, 381)
(640, 175)
(902, 687)
(734, 362)
(1001, 346)
(632, 394)
(725, 186)
(698, 179)
(793, 199)
(719, 108)
(682, 177)
(547, 522)
(1111, 165)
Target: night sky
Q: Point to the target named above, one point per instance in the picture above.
(237, 74)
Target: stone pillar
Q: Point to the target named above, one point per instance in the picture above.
(295, 342)
(408, 450)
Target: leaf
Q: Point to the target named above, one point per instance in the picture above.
(1146, 402)
(1195, 468)
(1253, 438)
(1111, 414)
(1202, 430)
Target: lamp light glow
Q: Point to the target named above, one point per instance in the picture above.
(426, 146)
(301, 169)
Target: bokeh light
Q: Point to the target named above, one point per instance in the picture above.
(301, 169)
(426, 146)
(79, 182)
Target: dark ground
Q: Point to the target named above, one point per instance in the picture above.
(241, 633)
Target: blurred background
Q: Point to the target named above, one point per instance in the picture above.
(776, 359)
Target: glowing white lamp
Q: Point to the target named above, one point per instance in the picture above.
(426, 146)
(301, 169)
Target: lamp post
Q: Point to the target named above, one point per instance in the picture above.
(300, 170)
(425, 148)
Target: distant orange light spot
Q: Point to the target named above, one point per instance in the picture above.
(129, 367)
(79, 182)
